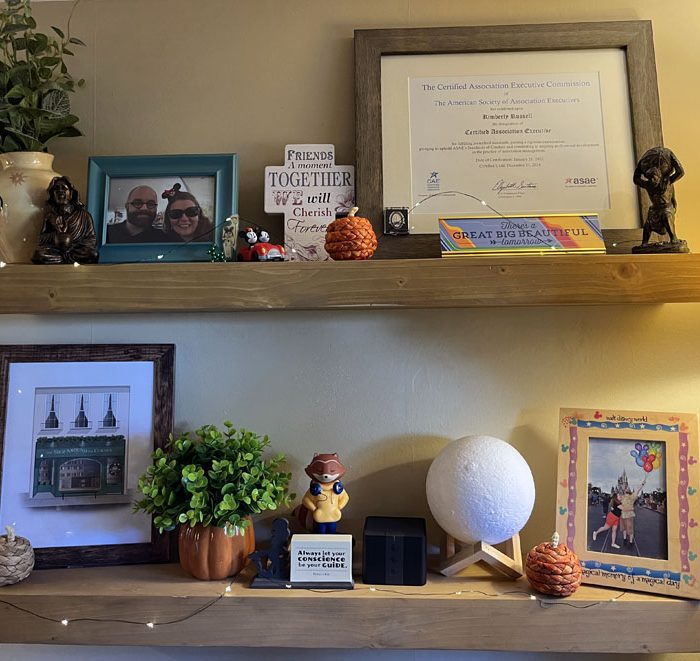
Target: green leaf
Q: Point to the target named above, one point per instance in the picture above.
(14, 28)
(58, 31)
(75, 40)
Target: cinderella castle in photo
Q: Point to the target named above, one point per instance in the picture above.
(622, 484)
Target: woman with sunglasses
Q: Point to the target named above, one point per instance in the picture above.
(183, 219)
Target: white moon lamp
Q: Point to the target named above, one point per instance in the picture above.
(481, 492)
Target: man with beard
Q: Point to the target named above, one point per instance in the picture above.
(141, 206)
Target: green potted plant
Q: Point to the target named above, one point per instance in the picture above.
(35, 85)
(211, 486)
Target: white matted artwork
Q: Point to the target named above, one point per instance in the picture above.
(75, 459)
(78, 426)
(77, 437)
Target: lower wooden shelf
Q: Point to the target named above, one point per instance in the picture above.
(489, 614)
(374, 284)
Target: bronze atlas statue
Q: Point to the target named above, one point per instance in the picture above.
(656, 172)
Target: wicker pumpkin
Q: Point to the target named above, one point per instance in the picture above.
(16, 558)
(351, 238)
(553, 568)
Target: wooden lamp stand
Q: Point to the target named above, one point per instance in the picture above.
(458, 556)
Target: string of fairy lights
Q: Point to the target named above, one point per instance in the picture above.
(153, 624)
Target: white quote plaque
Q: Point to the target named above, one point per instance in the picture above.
(321, 559)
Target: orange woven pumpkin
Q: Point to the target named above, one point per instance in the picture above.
(351, 238)
(553, 568)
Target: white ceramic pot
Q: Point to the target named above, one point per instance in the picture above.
(24, 180)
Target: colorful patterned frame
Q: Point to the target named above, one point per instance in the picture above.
(679, 575)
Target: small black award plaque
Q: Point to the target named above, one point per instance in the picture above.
(396, 220)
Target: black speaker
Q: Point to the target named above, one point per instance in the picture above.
(394, 551)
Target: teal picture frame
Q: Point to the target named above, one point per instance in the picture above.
(104, 170)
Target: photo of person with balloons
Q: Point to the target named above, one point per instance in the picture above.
(630, 476)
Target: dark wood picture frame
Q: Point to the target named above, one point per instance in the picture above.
(163, 357)
(633, 37)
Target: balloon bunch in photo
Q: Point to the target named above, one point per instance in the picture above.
(647, 456)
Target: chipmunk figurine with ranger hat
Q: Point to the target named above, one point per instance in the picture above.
(326, 496)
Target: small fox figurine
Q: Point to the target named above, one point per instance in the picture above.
(326, 496)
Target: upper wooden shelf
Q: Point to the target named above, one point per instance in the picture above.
(490, 614)
(415, 283)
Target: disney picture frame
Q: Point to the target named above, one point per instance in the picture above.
(627, 498)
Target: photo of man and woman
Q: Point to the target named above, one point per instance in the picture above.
(160, 210)
(627, 498)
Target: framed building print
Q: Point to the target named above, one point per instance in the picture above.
(78, 424)
(627, 498)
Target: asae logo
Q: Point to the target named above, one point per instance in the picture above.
(580, 181)
(433, 181)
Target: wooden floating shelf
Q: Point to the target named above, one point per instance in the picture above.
(375, 284)
(427, 617)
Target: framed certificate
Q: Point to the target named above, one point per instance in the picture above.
(508, 120)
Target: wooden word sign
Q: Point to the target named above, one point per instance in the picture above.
(309, 189)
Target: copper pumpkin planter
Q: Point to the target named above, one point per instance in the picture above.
(208, 553)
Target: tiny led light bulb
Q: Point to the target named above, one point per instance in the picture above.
(64, 622)
(483, 202)
(76, 264)
(150, 625)
(2, 265)
(160, 256)
(228, 588)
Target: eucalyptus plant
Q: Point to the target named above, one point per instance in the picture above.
(218, 479)
(34, 81)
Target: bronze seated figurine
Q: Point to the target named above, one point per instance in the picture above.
(68, 232)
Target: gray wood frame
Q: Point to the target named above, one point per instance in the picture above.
(163, 358)
(633, 37)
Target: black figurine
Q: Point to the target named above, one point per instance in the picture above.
(273, 564)
(656, 172)
(68, 232)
